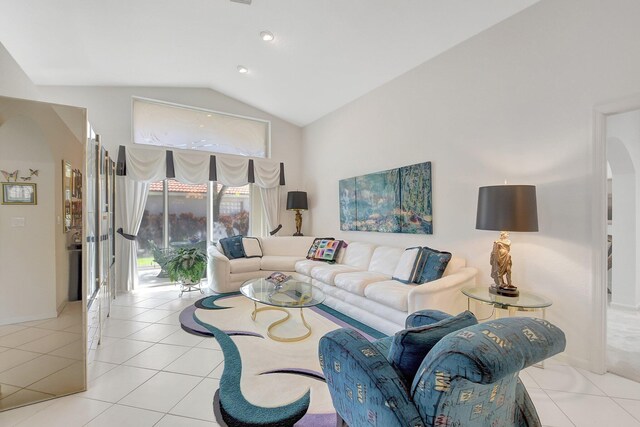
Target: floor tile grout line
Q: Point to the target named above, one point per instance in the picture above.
(559, 408)
(625, 409)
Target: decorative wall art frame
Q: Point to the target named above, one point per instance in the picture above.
(19, 193)
(392, 201)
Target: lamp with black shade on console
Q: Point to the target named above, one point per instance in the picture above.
(505, 208)
(297, 201)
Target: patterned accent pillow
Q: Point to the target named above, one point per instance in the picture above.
(251, 247)
(432, 265)
(410, 346)
(232, 247)
(407, 269)
(314, 246)
(327, 250)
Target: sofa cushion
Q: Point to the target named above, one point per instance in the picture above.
(356, 282)
(327, 250)
(326, 273)
(410, 346)
(279, 263)
(232, 247)
(251, 246)
(305, 266)
(244, 265)
(390, 293)
(358, 254)
(385, 259)
(432, 265)
(407, 269)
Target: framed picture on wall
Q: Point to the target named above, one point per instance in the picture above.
(14, 193)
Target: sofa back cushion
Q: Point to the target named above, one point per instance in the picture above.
(358, 254)
(454, 265)
(432, 265)
(385, 259)
(286, 245)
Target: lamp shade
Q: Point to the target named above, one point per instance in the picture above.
(507, 208)
(297, 200)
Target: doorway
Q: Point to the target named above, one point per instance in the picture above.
(623, 227)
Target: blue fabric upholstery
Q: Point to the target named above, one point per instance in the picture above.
(469, 378)
(232, 247)
(434, 263)
(365, 389)
(410, 346)
(425, 317)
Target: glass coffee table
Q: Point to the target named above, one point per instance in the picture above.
(290, 294)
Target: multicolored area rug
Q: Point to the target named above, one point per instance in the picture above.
(267, 382)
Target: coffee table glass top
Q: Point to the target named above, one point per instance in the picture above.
(524, 300)
(291, 294)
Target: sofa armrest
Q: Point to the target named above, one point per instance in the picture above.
(218, 270)
(443, 294)
(365, 388)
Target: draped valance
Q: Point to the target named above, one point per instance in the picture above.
(190, 167)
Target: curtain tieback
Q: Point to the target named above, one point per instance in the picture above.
(271, 233)
(125, 235)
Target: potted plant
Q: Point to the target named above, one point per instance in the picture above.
(187, 266)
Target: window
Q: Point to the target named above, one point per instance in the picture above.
(169, 125)
(183, 215)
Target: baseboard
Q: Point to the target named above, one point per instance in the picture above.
(30, 318)
(576, 362)
(61, 307)
(624, 307)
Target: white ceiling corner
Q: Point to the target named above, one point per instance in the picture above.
(326, 53)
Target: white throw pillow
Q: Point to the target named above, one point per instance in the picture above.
(405, 271)
(252, 248)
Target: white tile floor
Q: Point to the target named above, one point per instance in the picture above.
(148, 372)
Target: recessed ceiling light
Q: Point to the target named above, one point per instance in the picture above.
(267, 36)
(242, 69)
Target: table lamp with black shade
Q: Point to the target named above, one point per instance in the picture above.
(297, 201)
(505, 208)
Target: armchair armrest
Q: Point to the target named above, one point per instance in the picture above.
(364, 387)
(443, 294)
(218, 270)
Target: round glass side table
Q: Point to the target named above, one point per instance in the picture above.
(526, 301)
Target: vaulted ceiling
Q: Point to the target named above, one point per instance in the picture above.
(326, 53)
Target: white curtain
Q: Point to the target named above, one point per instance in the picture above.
(267, 173)
(191, 168)
(132, 198)
(146, 165)
(233, 171)
(271, 206)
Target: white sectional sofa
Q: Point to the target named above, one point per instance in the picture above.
(359, 285)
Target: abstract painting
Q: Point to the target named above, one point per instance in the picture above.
(392, 201)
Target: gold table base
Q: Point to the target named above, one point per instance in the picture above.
(273, 336)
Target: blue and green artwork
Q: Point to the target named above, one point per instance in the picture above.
(392, 201)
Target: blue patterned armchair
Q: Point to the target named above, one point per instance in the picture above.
(468, 379)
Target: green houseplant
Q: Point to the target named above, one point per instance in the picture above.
(187, 265)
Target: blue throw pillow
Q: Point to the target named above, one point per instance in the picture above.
(232, 247)
(410, 346)
(433, 264)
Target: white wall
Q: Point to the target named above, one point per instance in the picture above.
(623, 153)
(33, 135)
(27, 254)
(515, 102)
(110, 115)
